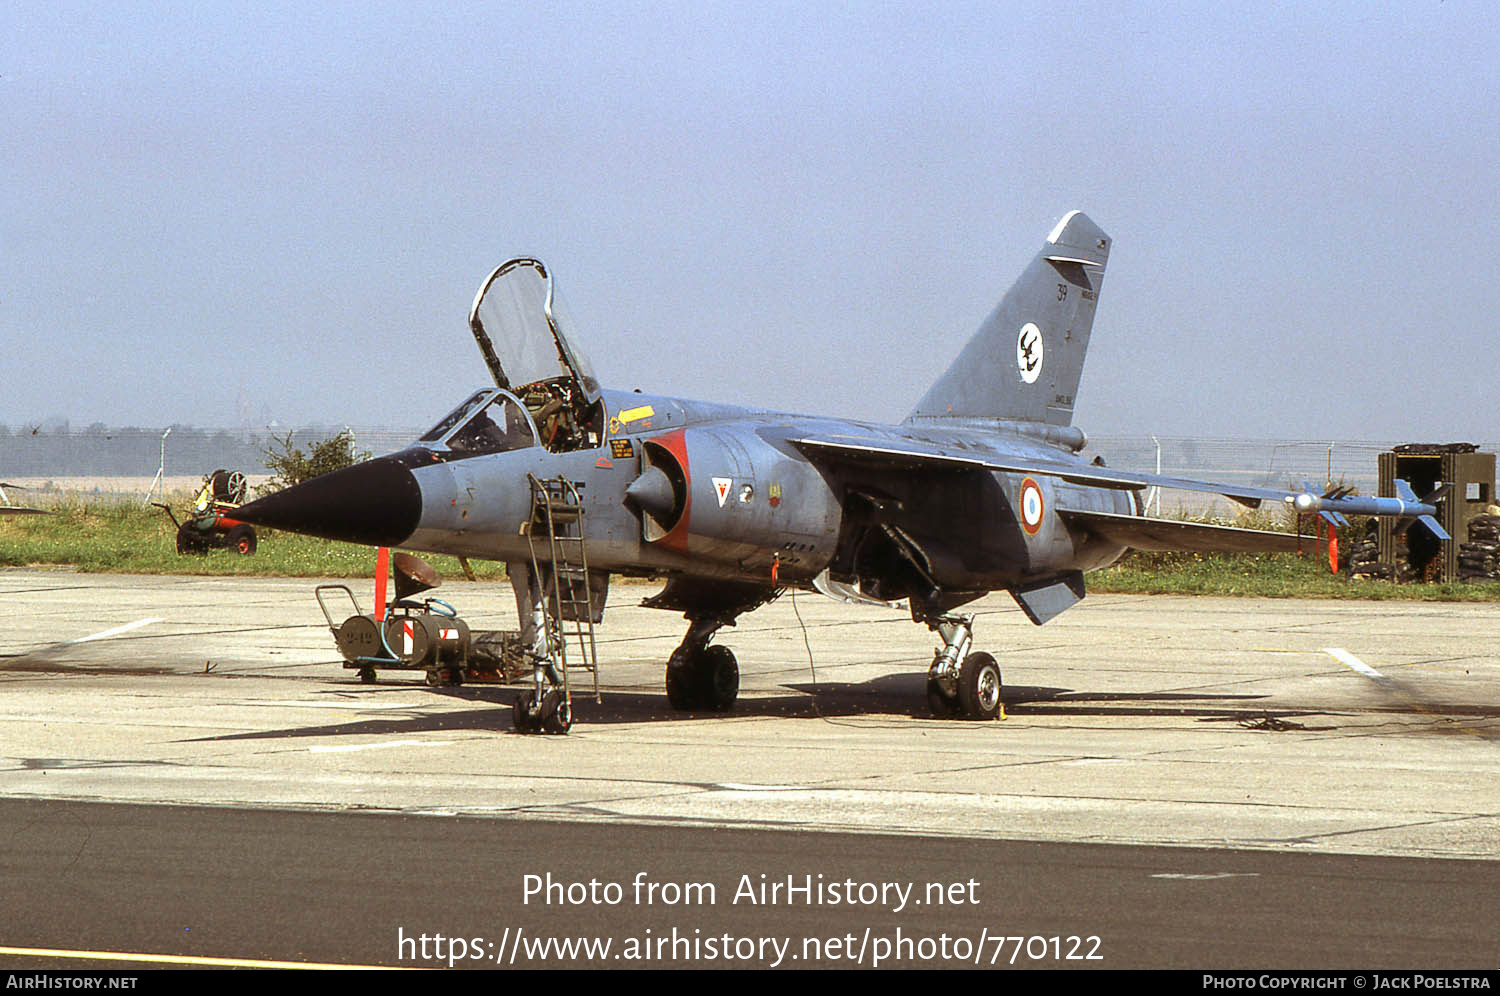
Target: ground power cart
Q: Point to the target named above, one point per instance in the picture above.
(211, 525)
(425, 635)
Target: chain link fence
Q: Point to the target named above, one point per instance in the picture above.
(103, 459)
(130, 460)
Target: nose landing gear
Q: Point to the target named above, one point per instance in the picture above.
(551, 713)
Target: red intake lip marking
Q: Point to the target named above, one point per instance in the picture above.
(675, 444)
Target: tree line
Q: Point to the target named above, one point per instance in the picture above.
(101, 451)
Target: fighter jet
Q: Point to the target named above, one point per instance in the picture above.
(981, 488)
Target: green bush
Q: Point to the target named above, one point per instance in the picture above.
(290, 464)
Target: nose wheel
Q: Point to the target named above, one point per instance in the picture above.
(553, 714)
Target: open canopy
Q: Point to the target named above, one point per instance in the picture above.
(524, 331)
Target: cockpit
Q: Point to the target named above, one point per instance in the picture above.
(547, 414)
(524, 333)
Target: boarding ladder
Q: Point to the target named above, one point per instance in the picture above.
(556, 526)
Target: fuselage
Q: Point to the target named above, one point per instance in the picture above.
(677, 487)
(748, 499)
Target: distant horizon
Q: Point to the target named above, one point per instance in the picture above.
(49, 427)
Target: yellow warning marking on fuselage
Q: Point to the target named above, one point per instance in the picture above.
(635, 414)
(163, 959)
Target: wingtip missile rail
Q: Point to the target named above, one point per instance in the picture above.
(1334, 505)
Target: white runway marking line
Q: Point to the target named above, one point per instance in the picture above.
(1347, 659)
(117, 630)
(344, 748)
(349, 706)
(739, 787)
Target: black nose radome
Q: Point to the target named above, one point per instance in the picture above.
(377, 503)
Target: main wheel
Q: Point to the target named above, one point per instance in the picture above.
(683, 687)
(943, 705)
(979, 687)
(718, 678)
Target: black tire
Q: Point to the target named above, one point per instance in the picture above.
(557, 713)
(367, 675)
(241, 540)
(522, 718)
(189, 540)
(718, 679)
(980, 687)
(684, 690)
(943, 706)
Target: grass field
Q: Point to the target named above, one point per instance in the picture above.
(126, 537)
(1277, 575)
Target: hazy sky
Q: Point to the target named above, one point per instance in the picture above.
(211, 213)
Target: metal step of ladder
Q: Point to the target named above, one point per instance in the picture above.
(557, 527)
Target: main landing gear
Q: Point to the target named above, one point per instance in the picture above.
(971, 689)
(700, 677)
(706, 678)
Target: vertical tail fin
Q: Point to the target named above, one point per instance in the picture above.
(1025, 361)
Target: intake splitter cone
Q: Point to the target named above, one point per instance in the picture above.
(377, 503)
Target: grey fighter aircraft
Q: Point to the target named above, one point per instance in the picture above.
(981, 488)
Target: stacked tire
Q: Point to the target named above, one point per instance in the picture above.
(1479, 559)
(1364, 560)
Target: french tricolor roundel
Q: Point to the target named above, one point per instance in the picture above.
(1032, 507)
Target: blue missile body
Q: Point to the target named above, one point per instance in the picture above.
(1406, 508)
